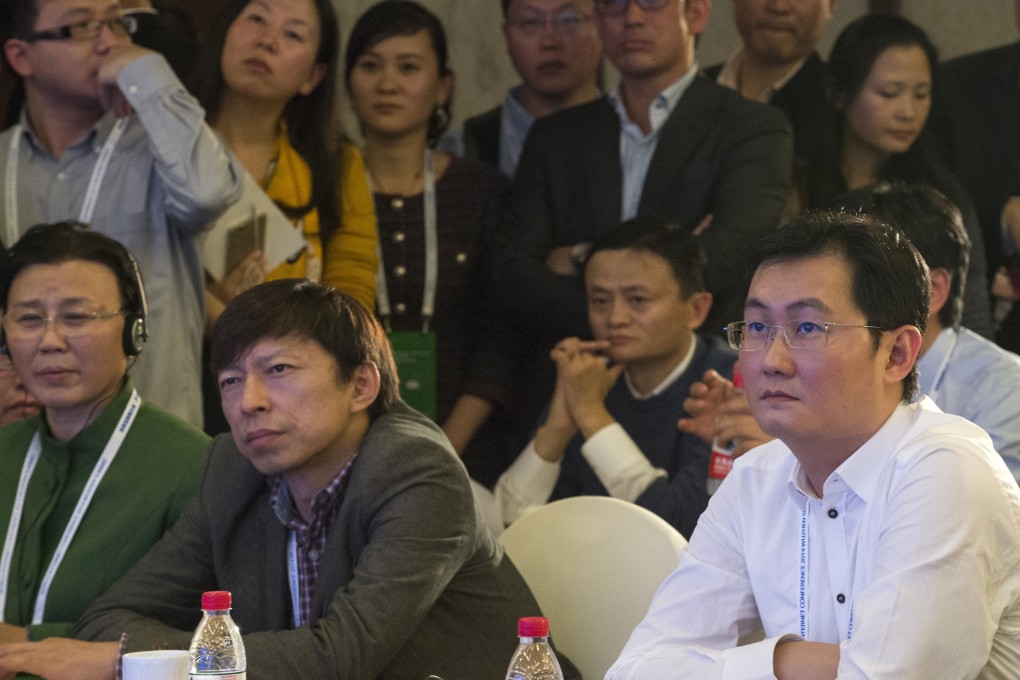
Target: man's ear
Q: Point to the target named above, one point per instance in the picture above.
(700, 304)
(941, 280)
(16, 50)
(366, 387)
(906, 345)
(697, 13)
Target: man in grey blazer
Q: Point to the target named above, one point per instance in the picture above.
(340, 519)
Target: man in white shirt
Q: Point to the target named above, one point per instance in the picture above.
(610, 427)
(874, 538)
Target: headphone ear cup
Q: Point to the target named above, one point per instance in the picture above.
(134, 334)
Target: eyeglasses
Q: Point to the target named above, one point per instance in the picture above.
(609, 8)
(29, 325)
(564, 23)
(751, 336)
(87, 30)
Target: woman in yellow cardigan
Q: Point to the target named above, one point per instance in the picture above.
(270, 92)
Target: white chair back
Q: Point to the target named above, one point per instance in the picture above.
(593, 563)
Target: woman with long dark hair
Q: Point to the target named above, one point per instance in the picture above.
(880, 83)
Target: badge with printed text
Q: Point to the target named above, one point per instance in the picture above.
(415, 354)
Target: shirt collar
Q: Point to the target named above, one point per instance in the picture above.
(517, 115)
(729, 76)
(323, 504)
(96, 136)
(861, 471)
(673, 376)
(932, 365)
(663, 104)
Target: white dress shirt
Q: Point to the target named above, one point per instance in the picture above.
(912, 564)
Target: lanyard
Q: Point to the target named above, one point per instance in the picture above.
(102, 465)
(802, 600)
(91, 194)
(295, 585)
(428, 298)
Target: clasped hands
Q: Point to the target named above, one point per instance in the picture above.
(584, 376)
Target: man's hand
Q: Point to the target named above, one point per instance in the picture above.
(9, 634)
(119, 56)
(718, 410)
(561, 261)
(801, 660)
(586, 378)
(60, 659)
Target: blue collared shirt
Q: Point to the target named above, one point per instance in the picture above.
(514, 125)
(637, 148)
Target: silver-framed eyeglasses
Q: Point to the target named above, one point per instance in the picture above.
(71, 324)
(567, 22)
(617, 7)
(87, 30)
(751, 336)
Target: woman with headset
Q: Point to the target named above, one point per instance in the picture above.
(93, 480)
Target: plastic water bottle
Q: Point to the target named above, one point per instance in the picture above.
(217, 649)
(720, 461)
(534, 658)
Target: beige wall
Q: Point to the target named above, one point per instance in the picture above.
(483, 70)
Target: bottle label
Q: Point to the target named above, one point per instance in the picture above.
(222, 675)
(721, 462)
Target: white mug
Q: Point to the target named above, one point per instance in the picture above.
(159, 664)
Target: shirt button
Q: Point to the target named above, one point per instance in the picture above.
(397, 203)
(61, 176)
(398, 237)
(400, 308)
(133, 89)
(833, 513)
(399, 270)
(461, 258)
(841, 598)
(313, 555)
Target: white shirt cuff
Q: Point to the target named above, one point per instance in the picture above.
(754, 661)
(528, 482)
(619, 464)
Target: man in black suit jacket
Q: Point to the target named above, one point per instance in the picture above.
(714, 162)
(558, 56)
(973, 126)
(778, 63)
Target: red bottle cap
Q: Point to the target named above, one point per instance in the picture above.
(216, 600)
(533, 626)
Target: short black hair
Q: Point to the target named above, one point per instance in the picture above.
(65, 242)
(17, 18)
(683, 252)
(859, 45)
(316, 311)
(890, 282)
(933, 224)
(391, 18)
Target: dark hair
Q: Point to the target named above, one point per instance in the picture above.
(889, 279)
(506, 7)
(313, 127)
(391, 18)
(683, 252)
(933, 224)
(854, 53)
(316, 311)
(66, 242)
(17, 18)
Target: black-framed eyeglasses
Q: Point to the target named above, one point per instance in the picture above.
(751, 336)
(617, 7)
(564, 23)
(87, 30)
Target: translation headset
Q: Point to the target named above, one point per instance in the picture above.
(136, 332)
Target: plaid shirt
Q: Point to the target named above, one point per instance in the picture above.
(310, 537)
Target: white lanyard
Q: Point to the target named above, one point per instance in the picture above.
(91, 194)
(102, 465)
(295, 585)
(428, 298)
(802, 600)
